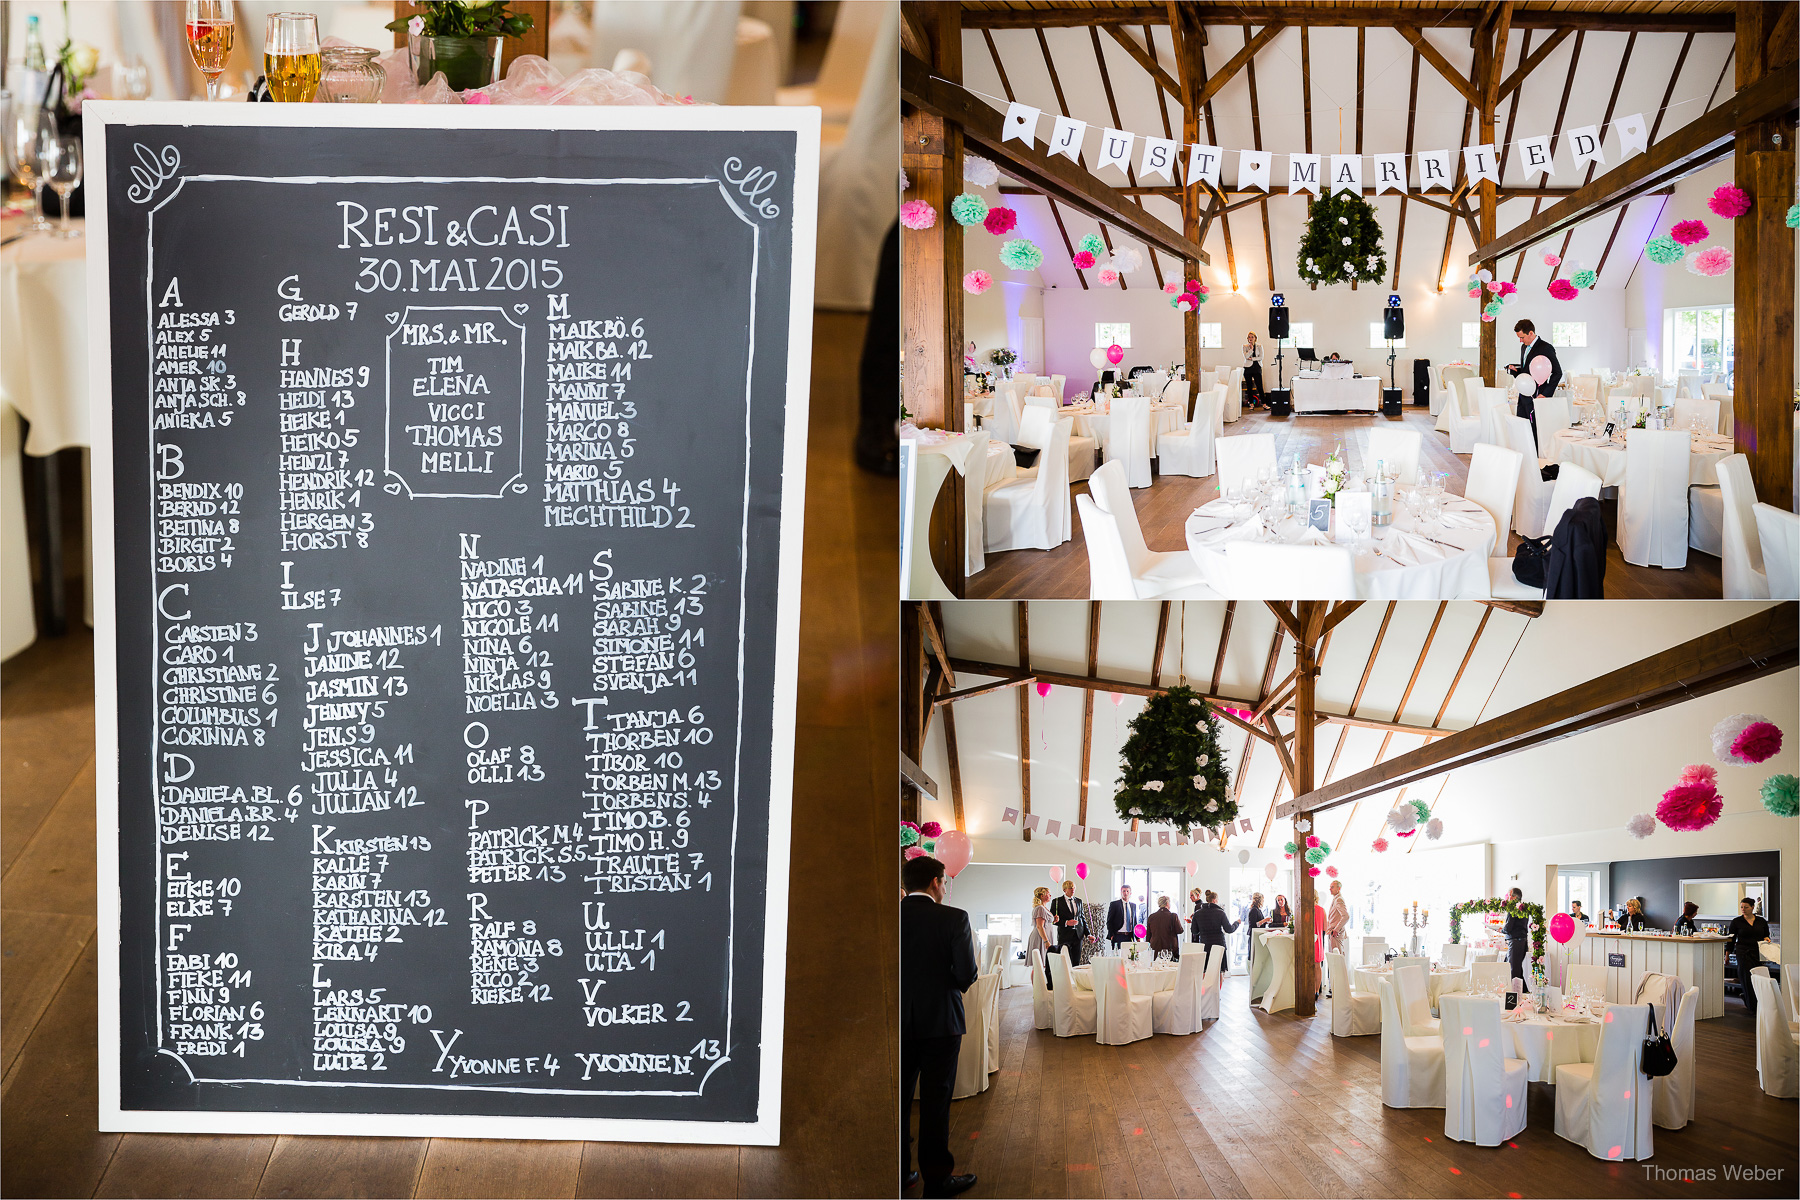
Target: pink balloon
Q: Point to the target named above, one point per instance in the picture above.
(1043, 689)
(1081, 870)
(1562, 927)
(1140, 931)
(1056, 874)
(1118, 698)
(1115, 354)
(1193, 866)
(1270, 870)
(1540, 368)
(955, 850)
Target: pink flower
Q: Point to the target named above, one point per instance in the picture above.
(1194, 286)
(1715, 260)
(1700, 773)
(1504, 287)
(477, 98)
(930, 829)
(1562, 289)
(1331, 871)
(1313, 871)
(1487, 316)
(1690, 806)
(1689, 232)
(1730, 202)
(1379, 845)
(1000, 221)
(1082, 260)
(1108, 277)
(916, 214)
(1757, 743)
(977, 282)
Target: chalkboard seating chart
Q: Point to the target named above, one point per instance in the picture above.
(448, 513)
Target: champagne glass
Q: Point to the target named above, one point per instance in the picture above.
(59, 165)
(26, 132)
(211, 29)
(291, 57)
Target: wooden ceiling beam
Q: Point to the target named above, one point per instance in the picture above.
(1224, 640)
(1450, 16)
(931, 616)
(1562, 108)
(1606, 121)
(1162, 640)
(1435, 57)
(950, 753)
(1533, 60)
(1256, 136)
(1412, 114)
(1687, 44)
(1236, 62)
(970, 693)
(1087, 709)
(1056, 215)
(1144, 57)
(1450, 221)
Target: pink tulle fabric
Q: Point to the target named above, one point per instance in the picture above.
(1715, 260)
(1730, 202)
(529, 80)
(916, 214)
(1690, 232)
(1758, 743)
(1000, 221)
(977, 282)
(1690, 806)
(1562, 289)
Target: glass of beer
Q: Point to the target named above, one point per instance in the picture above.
(291, 57)
(211, 29)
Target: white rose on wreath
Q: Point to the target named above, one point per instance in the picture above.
(1137, 812)
(1200, 781)
(1202, 760)
(1346, 241)
(1212, 806)
(1153, 785)
(1343, 220)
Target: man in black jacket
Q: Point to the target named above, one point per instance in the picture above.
(1533, 346)
(1071, 922)
(1517, 933)
(937, 965)
(1212, 923)
(1123, 918)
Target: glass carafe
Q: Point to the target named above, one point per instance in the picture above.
(351, 76)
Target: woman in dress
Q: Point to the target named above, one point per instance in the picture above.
(1256, 919)
(1253, 384)
(1042, 936)
(1282, 917)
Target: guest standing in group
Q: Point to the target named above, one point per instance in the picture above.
(1282, 917)
(937, 965)
(1532, 346)
(1337, 918)
(1684, 924)
(1122, 918)
(1255, 918)
(1071, 922)
(1633, 920)
(1042, 936)
(1210, 924)
(1195, 898)
(1164, 929)
(1516, 931)
(1253, 381)
(1748, 932)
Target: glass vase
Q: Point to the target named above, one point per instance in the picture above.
(351, 76)
(466, 62)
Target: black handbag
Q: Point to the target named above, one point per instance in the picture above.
(1658, 1058)
(1026, 456)
(1531, 561)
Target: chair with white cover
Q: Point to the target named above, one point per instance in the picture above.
(1128, 439)
(1585, 388)
(1493, 483)
(1552, 414)
(1056, 386)
(1003, 423)
(1120, 1017)
(1374, 950)
(1244, 456)
(1741, 557)
(1689, 383)
(1189, 451)
(1412, 977)
(1210, 983)
(1042, 400)
(1399, 450)
(1706, 519)
(924, 480)
(1777, 1068)
(1723, 394)
(1604, 1105)
(1412, 1068)
(1038, 423)
(1072, 1009)
(1276, 571)
(1043, 1012)
(1487, 974)
(1234, 396)
(1653, 502)
(1120, 565)
(1778, 535)
(1672, 1106)
(1591, 979)
(1177, 1011)
(1494, 405)
(1174, 392)
(1531, 501)
(1573, 482)
(1353, 1013)
(1032, 511)
(1484, 1086)
(1687, 411)
(1462, 420)
(1453, 954)
(1447, 397)
(1661, 991)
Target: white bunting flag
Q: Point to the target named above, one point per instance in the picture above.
(1303, 173)
(1253, 169)
(1159, 159)
(1020, 123)
(1162, 838)
(1010, 816)
(1584, 144)
(1479, 163)
(1052, 828)
(1115, 149)
(1346, 173)
(1065, 139)
(1032, 820)
(1390, 173)
(1112, 837)
(1633, 137)
(1203, 165)
(1534, 154)
(1434, 169)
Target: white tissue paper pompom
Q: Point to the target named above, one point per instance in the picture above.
(1403, 819)
(1641, 826)
(979, 171)
(1434, 829)
(1726, 732)
(1126, 260)
(1302, 825)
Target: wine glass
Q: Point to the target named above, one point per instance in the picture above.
(59, 165)
(211, 30)
(291, 57)
(1359, 526)
(26, 132)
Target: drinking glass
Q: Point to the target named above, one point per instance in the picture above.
(26, 132)
(1359, 526)
(211, 30)
(291, 57)
(59, 164)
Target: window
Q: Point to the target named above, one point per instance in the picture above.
(1579, 884)
(1568, 333)
(1700, 339)
(1212, 335)
(1112, 333)
(1299, 334)
(1471, 335)
(1009, 923)
(1377, 342)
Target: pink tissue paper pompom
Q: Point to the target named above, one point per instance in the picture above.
(1193, 285)
(1082, 260)
(1758, 743)
(1641, 826)
(1690, 232)
(1553, 260)
(1700, 773)
(1331, 871)
(1475, 293)
(1407, 832)
(1170, 288)
(916, 214)
(1108, 277)
(1715, 260)
(1205, 291)
(1313, 871)
(1690, 806)
(1487, 316)
(1312, 840)
(930, 829)
(1730, 202)
(1506, 287)
(977, 282)
(1379, 845)
(1562, 289)
(1000, 221)
(913, 852)
(912, 825)
(905, 180)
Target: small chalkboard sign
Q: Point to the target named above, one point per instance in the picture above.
(1318, 515)
(447, 514)
(1615, 960)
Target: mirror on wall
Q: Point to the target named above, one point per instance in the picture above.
(1718, 898)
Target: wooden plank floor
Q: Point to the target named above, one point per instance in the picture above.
(1163, 510)
(840, 1061)
(1274, 1106)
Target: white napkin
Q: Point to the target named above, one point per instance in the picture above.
(1463, 518)
(1409, 549)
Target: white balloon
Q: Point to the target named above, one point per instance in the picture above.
(1097, 356)
(1524, 384)
(1243, 856)
(1269, 870)
(1484, 274)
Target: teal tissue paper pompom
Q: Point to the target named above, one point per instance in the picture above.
(1020, 255)
(1584, 279)
(1093, 243)
(1664, 249)
(969, 209)
(1779, 795)
(1793, 217)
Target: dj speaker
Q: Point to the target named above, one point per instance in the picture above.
(1278, 323)
(1393, 323)
(1390, 402)
(1421, 382)
(1281, 401)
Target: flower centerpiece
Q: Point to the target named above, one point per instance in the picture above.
(1004, 358)
(1336, 472)
(459, 39)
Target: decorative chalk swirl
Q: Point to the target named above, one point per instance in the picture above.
(751, 183)
(155, 170)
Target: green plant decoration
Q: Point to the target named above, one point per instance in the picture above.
(1342, 242)
(1533, 914)
(1174, 769)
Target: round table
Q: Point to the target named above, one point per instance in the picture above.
(1549, 1042)
(1164, 418)
(1440, 983)
(1408, 560)
(1142, 978)
(1607, 458)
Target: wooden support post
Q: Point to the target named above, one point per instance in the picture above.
(1490, 54)
(1310, 615)
(1022, 613)
(1087, 709)
(950, 752)
(912, 701)
(1189, 69)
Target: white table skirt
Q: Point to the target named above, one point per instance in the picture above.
(999, 467)
(1608, 460)
(1440, 983)
(1313, 394)
(1143, 980)
(980, 1053)
(43, 338)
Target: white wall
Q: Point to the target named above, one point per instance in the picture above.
(985, 888)
(996, 317)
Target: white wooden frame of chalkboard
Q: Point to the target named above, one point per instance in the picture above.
(100, 117)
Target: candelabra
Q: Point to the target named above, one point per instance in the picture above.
(1415, 919)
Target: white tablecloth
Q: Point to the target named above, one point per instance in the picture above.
(1144, 979)
(1000, 467)
(43, 337)
(1368, 979)
(1314, 394)
(1607, 459)
(1164, 418)
(1548, 1043)
(1446, 562)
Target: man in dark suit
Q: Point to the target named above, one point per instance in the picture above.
(1122, 918)
(1517, 934)
(1164, 929)
(1071, 922)
(937, 964)
(1532, 346)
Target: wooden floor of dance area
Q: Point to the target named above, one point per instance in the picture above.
(1163, 510)
(1260, 1105)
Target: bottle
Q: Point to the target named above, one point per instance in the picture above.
(34, 46)
(1381, 496)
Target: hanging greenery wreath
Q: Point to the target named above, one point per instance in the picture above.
(1174, 770)
(1342, 242)
(1533, 914)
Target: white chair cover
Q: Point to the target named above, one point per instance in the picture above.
(1037, 425)
(1043, 401)
(1353, 1013)
(1776, 1066)
(924, 479)
(1263, 571)
(1486, 974)
(1413, 977)
(1672, 1106)
(1234, 395)
(1280, 994)
(1706, 519)
(1128, 440)
(1653, 503)
(1462, 420)
(1399, 449)
(1453, 954)
(1573, 482)
(1004, 423)
(1446, 397)
(1663, 991)
(1072, 1010)
(1189, 451)
(1177, 1011)
(1686, 410)
(1494, 405)
(1243, 456)
(1120, 1017)
(1175, 391)
(1689, 383)
(1374, 950)
(1043, 1013)
(1586, 388)
(1741, 560)
(1552, 413)
(1484, 1086)
(1723, 394)
(1494, 483)
(1210, 983)
(1592, 979)
(1604, 1105)
(1778, 536)
(1032, 512)
(1412, 1068)
(1531, 502)
(1120, 565)
(1056, 386)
